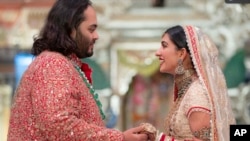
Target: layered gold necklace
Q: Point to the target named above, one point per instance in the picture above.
(182, 83)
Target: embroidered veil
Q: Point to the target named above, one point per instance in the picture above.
(204, 55)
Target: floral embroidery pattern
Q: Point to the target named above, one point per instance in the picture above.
(53, 103)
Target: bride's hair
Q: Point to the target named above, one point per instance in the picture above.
(178, 37)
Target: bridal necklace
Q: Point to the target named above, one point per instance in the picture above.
(92, 90)
(182, 83)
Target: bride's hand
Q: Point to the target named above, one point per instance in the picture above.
(150, 130)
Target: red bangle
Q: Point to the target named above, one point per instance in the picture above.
(162, 137)
(172, 139)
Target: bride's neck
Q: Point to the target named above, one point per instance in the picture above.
(183, 81)
(182, 77)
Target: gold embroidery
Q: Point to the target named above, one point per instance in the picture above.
(187, 74)
(182, 82)
(149, 129)
(203, 133)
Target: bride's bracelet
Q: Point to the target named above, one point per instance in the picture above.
(163, 137)
(168, 138)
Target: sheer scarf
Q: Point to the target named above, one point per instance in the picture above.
(204, 55)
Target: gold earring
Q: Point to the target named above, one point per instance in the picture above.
(179, 69)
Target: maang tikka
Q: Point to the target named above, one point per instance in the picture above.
(179, 69)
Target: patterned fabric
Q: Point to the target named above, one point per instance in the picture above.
(53, 103)
(203, 133)
(195, 99)
(208, 94)
(204, 55)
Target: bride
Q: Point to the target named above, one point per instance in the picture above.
(201, 109)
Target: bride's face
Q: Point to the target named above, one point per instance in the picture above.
(168, 55)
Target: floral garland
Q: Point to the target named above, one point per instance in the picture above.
(92, 90)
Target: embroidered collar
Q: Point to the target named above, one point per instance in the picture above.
(85, 71)
(84, 66)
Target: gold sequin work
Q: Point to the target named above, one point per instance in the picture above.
(190, 97)
(203, 133)
(53, 103)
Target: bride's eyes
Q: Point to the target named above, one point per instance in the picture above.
(164, 44)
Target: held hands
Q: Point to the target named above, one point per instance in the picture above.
(150, 130)
(144, 132)
(133, 134)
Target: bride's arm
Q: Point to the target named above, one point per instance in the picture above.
(199, 122)
(200, 125)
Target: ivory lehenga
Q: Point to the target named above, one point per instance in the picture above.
(202, 90)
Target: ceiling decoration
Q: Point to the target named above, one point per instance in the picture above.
(11, 10)
(8, 17)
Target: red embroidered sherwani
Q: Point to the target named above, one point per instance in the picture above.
(53, 103)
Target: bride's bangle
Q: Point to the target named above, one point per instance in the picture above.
(168, 138)
(163, 137)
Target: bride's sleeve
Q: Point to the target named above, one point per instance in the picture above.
(198, 113)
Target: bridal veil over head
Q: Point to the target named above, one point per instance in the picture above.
(205, 58)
